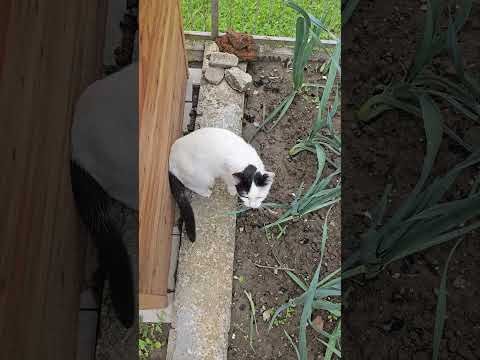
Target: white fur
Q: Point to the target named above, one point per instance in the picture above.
(204, 155)
(105, 134)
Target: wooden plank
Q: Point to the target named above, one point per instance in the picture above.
(52, 56)
(163, 75)
(153, 301)
(4, 21)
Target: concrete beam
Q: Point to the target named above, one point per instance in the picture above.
(203, 292)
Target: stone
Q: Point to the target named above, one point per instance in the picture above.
(210, 47)
(224, 60)
(214, 75)
(217, 104)
(195, 76)
(238, 79)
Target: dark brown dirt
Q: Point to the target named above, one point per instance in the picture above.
(299, 248)
(240, 44)
(392, 316)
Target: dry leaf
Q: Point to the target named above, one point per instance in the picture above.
(267, 314)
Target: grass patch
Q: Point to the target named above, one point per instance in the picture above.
(260, 17)
(149, 339)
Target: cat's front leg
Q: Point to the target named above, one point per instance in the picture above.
(232, 190)
(203, 186)
(208, 193)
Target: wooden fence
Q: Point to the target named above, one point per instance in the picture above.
(49, 52)
(163, 76)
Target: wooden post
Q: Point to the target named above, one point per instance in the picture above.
(214, 11)
(163, 76)
(49, 53)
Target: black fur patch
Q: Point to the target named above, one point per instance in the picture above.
(186, 212)
(94, 205)
(260, 179)
(246, 177)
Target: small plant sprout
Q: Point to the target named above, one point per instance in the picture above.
(148, 340)
(420, 84)
(317, 295)
(307, 37)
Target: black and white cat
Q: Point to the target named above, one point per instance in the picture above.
(204, 155)
(104, 172)
(104, 177)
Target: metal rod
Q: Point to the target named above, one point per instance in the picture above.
(214, 19)
(244, 8)
(190, 14)
(257, 7)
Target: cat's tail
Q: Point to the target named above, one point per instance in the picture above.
(186, 211)
(93, 206)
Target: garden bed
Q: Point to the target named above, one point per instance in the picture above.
(258, 252)
(392, 148)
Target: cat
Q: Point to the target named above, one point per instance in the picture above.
(104, 177)
(204, 155)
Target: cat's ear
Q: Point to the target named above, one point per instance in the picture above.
(237, 177)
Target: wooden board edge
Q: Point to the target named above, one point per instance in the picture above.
(179, 9)
(149, 301)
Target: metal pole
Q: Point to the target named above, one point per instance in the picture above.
(214, 18)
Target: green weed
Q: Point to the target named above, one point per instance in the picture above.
(149, 339)
(420, 83)
(265, 17)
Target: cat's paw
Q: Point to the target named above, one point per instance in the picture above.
(208, 193)
(232, 190)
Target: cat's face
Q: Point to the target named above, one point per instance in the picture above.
(253, 186)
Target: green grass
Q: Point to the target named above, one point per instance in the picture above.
(282, 320)
(149, 339)
(272, 18)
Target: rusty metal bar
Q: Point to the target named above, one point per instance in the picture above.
(214, 13)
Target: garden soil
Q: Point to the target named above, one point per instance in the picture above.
(392, 316)
(299, 248)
